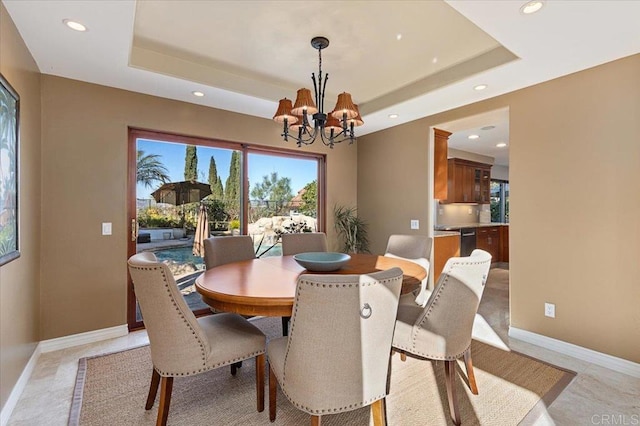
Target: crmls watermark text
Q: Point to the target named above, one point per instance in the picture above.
(615, 419)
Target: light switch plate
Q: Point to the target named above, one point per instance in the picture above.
(106, 228)
(549, 310)
(415, 224)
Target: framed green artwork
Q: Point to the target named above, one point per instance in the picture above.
(9, 141)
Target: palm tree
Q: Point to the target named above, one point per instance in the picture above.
(150, 169)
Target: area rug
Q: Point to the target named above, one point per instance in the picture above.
(513, 389)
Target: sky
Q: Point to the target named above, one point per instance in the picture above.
(172, 155)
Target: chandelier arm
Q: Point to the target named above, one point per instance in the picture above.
(315, 88)
(285, 130)
(302, 140)
(324, 90)
(328, 141)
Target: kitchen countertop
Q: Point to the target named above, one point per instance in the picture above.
(466, 225)
(437, 234)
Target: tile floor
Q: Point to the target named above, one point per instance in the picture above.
(597, 396)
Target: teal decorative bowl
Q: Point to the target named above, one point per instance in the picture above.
(321, 261)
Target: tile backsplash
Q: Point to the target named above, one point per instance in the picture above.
(460, 214)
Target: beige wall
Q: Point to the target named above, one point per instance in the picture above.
(19, 279)
(84, 174)
(575, 227)
(392, 176)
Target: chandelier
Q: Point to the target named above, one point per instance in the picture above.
(334, 127)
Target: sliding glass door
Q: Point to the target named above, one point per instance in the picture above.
(244, 189)
(283, 198)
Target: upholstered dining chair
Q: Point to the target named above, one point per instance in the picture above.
(222, 250)
(336, 357)
(417, 249)
(303, 242)
(182, 345)
(441, 330)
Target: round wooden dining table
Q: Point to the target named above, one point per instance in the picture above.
(266, 286)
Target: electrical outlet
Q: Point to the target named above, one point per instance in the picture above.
(470, 210)
(549, 310)
(106, 228)
(415, 224)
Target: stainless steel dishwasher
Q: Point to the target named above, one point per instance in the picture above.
(467, 241)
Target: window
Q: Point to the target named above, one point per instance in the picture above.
(499, 201)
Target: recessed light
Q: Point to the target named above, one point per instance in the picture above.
(473, 136)
(501, 145)
(398, 36)
(393, 115)
(198, 94)
(480, 87)
(531, 7)
(74, 25)
(487, 127)
(434, 60)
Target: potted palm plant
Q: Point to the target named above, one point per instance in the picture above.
(351, 229)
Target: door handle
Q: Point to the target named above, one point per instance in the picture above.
(134, 230)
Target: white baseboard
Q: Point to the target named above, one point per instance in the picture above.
(83, 338)
(18, 388)
(608, 361)
(54, 345)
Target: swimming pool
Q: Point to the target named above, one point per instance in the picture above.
(185, 254)
(180, 255)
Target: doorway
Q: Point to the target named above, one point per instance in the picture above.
(482, 141)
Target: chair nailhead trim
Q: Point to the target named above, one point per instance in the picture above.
(291, 335)
(426, 315)
(193, 332)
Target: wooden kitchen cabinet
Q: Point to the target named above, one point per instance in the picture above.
(504, 238)
(488, 239)
(485, 186)
(444, 247)
(440, 164)
(468, 182)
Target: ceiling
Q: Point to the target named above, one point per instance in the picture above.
(491, 128)
(246, 55)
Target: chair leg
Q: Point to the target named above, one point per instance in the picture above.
(153, 389)
(379, 413)
(260, 382)
(389, 368)
(235, 366)
(450, 381)
(273, 387)
(468, 364)
(166, 387)
(315, 420)
(285, 325)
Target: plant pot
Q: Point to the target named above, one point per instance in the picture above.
(178, 233)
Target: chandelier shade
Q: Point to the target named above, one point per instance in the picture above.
(344, 107)
(334, 127)
(357, 120)
(304, 103)
(283, 114)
